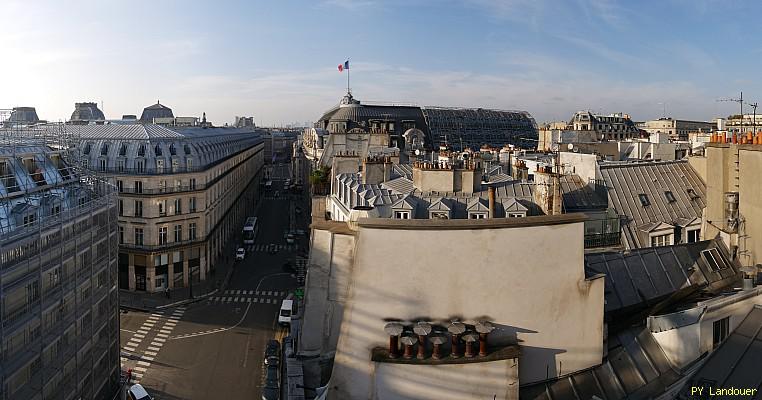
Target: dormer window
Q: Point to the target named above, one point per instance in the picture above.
(187, 150)
(172, 149)
(692, 194)
(402, 215)
(87, 148)
(104, 149)
(644, 201)
(439, 215)
(477, 215)
(142, 150)
(123, 150)
(157, 150)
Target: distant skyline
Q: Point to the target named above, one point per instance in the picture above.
(277, 61)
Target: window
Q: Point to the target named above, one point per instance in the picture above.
(103, 165)
(85, 164)
(163, 235)
(162, 207)
(178, 206)
(138, 187)
(157, 150)
(29, 219)
(644, 201)
(670, 197)
(123, 150)
(175, 165)
(55, 210)
(138, 208)
(714, 259)
(178, 233)
(192, 204)
(189, 163)
(402, 214)
(140, 166)
(120, 165)
(440, 215)
(120, 186)
(694, 235)
(121, 208)
(661, 240)
(139, 236)
(160, 166)
(178, 184)
(121, 235)
(474, 215)
(192, 183)
(142, 150)
(162, 186)
(721, 331)
(516, 215)
(192, 231)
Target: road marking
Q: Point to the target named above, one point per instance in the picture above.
(173, 318)
(149, 353)
(249, 300)
(153, 348)
(161, 335)
(170, 323)
(126, 330)
(144, 363)
(127, 348)
(148, 358)
(236, 300)
(190, 335)
(139, 336)
(156, 344)
(139, 369)
(158, 339)
(165, 331)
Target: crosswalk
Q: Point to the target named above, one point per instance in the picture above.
(281, 197)
(266, 247)
(250, 296)
(139, 352)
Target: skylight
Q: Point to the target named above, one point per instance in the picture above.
(644, 199)
(670, 197)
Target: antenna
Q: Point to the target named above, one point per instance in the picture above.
(740, 103)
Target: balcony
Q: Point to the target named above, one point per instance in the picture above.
(17, 317)
(159, 247)
(164, 190)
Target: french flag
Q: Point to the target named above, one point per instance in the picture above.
(344, 66)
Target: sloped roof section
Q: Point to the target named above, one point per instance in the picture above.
(638, 191)
(640, 278)
(736, 362)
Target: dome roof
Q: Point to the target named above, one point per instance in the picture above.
(157, 110)
(87, 112)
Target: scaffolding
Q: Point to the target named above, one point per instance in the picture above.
(58, 251)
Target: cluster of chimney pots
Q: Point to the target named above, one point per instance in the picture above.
(422, 332)
(743, 138)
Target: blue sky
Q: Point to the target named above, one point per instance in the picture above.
(277, 60)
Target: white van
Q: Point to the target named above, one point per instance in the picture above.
(286, 309)
(138, 392)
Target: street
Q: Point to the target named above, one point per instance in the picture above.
(213, 349)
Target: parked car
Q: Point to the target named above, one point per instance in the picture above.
(272, 352)
(138, 392)
(240, 254)
(271, 391)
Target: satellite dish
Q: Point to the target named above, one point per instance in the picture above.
(418, 152)
(570, 146)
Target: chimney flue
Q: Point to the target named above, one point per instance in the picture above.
(470, 338)
(491, 194)
(422, 329)
(456, 329)
(437, 341)
(394, 330)
(483, 328)
(408, 342)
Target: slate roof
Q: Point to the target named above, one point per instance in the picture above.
(636, 368)
(625, 182)
(736, 363)
(642, 277)
(579, 196)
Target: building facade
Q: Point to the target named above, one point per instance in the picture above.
(58, 284)
(677, 129)
(607, 127)
(182, 195)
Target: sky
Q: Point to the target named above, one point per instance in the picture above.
(277, 60)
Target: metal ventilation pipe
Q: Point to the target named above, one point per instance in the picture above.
(394, 330)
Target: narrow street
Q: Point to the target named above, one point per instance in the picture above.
(213, 349)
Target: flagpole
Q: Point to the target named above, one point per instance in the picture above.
(347, 78)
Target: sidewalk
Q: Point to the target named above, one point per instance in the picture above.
(215, 281)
